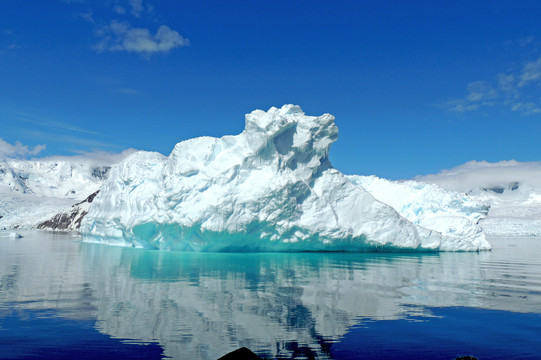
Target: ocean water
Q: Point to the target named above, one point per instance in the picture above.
(61, 298)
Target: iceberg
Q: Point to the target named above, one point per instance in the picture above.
(270, 188)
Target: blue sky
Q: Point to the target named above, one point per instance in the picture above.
(415, 86)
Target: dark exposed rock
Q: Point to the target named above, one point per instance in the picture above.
(101, 172)
(70, 220)
(512, 186)
(89, 199)
(61, 221)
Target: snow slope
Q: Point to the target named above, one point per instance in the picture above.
(270, 188)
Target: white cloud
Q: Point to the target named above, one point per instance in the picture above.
(119, 9)
(483, 174)
(462, 106)
(121, 36)
(506, 85)
(8, 150)
(44, 122)
(530, 72)
(87, 16)
(136, 7)
(480, 93)
(528, 108)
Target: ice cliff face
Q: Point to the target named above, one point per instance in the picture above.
(270, 188)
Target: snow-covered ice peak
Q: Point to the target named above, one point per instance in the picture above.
(285, 137)
(270, 188)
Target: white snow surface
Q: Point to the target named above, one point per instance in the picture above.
(454, 214)
(270, 188)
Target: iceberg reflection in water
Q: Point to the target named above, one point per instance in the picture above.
(203, 305)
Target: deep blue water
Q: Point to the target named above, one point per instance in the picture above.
(42, 334)
(452, 332)
(61, 298)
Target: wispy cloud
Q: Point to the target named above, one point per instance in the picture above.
(531, 72)
(7, 41)
(518, 90)
(121, 36)
(482, 174)
(120, 10)
(17, 150)
(77, 141)
(527, 108)
(47, 123)
(480, 93)
(88, 16)
(49, 131)
(136, 7)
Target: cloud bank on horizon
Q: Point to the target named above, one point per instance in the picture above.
(98, 157)
(483, 174)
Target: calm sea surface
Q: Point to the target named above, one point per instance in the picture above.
(64, 299)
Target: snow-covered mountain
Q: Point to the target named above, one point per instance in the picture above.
(34, 191)
(51, 178)
(271, 187)
(511, 188)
